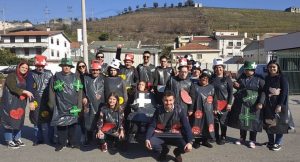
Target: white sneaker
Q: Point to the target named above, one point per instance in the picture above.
(19, 142)
(252, 144)
(12, 145)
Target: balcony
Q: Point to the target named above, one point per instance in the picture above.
(23, 45)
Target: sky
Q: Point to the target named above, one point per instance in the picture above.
(38, 11)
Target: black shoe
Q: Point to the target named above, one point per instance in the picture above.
(177, 154)
(196, 145)
(270, 145)
(220, 141)
(207, 144)
(38, 143)
(74, 147)
(12, 145)
(59, 148)
(19, 142)
(276, 147)
(163, 154)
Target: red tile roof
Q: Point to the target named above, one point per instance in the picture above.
(33, 33)
(201, 39)
(194, 46)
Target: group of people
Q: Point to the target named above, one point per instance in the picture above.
(160, 106)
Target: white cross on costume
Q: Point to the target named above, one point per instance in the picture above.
(142, 101)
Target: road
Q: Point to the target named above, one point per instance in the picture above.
(228, 152)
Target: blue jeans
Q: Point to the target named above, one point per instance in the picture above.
(11, 134)
(38, 132)
(278, 138)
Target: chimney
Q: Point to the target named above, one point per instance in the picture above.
(245, 35)
(48, 29)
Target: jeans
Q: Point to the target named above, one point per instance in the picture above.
(278, 138)
(11, 134)
(39, 132)
(159, 143)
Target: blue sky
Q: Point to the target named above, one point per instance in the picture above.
(34, 10)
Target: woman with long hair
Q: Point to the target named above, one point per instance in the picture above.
(12, 111)
(277, 115)
(110, 124)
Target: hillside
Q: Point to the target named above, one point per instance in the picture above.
(162, 25)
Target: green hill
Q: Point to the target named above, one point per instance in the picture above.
(161, 25)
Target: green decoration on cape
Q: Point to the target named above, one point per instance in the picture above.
(247, 117)
(77, 85)
(59, 85)
(74, 111)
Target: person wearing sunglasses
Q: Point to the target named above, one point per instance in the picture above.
(100, 57)
(146, 69)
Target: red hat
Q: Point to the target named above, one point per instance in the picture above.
(95, 65)
(182, 62)
(40, 60)
(129, 57)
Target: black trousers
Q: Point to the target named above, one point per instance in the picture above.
(159, 143)
(65, 133)
(223, 130)
(243, 134)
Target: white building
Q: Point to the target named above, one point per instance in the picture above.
(230, 43)
(202, 53)
(255, 51)
(26, 44)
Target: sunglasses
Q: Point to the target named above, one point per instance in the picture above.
(95, 69)
(146, 56)
(82, 66)
(100, 56)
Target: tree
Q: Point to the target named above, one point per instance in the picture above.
(165, 5)
(125, 10)
(172, 5)
(166, 51)
(103, 37)
(189, 3)
(155, 4)
(179, 4)
(137, 7)
(144, 5)
(129, 8)
(8, 58)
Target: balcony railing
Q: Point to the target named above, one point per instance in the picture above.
(23, 45)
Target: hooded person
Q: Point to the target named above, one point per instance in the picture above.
(93, 99)
(203, 110)
(224, 92)
(65, 99)
(245, 112)
(41, 113)
(114, 83)
(142, 110)
(13, 104)
(196, 72)
(181, 85)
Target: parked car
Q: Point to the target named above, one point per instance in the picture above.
(9, 69)
(261, 69)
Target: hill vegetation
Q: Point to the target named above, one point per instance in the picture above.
(162, 25)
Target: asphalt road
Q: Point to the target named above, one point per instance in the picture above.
(290, 151)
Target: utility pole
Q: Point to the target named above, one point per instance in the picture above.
(84, 34)
(3, 20)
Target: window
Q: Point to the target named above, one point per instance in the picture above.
(12, 39)
(65, 44)
(26, 51)
(57, 42)
(57, 54)
(230, 54)
(52, 41)
(238, 43)
(230, 44)
(52, 52)
(199, 56)
(26, 39)
(13, 50)
(39, 51)
(38, 39)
